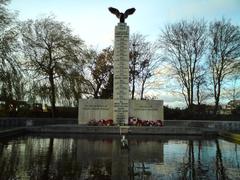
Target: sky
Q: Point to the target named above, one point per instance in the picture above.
(93, 23)
(91, 20)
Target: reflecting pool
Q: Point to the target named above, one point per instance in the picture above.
(89, 157)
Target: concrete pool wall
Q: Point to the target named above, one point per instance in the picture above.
(15, 126)
(21, 122)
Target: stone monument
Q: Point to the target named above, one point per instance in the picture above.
(121, 68)
(121, 74)
(120, 108)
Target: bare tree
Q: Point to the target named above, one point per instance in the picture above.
(203, 92)
(199, 82)
(9, 46)
(89, 78)
(5, 15)
(50, 50)
(143, 61)
(136, 45)
(12, 85)
(148, 66)
(184, 46)
(224, 52)
(232, 90)
(100, 66)
(72, 86)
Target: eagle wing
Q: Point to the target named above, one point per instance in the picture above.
(129, 12)
(114, 11)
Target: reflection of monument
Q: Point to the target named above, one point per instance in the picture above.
(109, 158)
(120, 108)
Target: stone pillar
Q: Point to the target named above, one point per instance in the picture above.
(121, 74)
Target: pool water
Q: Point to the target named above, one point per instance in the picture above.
(89, 157)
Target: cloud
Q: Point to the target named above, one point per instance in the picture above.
(170, 98)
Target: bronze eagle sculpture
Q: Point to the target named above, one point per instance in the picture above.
(120, 15)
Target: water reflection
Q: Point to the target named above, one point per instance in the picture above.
(103, 158)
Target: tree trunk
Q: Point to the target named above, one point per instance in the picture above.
(216, 104)
(142, 88)
(189, 97)
(191, 91)
(217, 96)
(198, 94)
(133, 83)
(96, 91)
(53, 98)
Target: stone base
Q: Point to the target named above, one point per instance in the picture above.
(96, 109)
(146, 109)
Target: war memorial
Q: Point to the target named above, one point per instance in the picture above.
(120, 108)
(43, 148)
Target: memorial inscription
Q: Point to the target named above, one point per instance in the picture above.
(121, 74)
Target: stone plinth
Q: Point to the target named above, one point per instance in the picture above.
(94, 109)
(97, 109)
(146, 109)
(121, 74)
